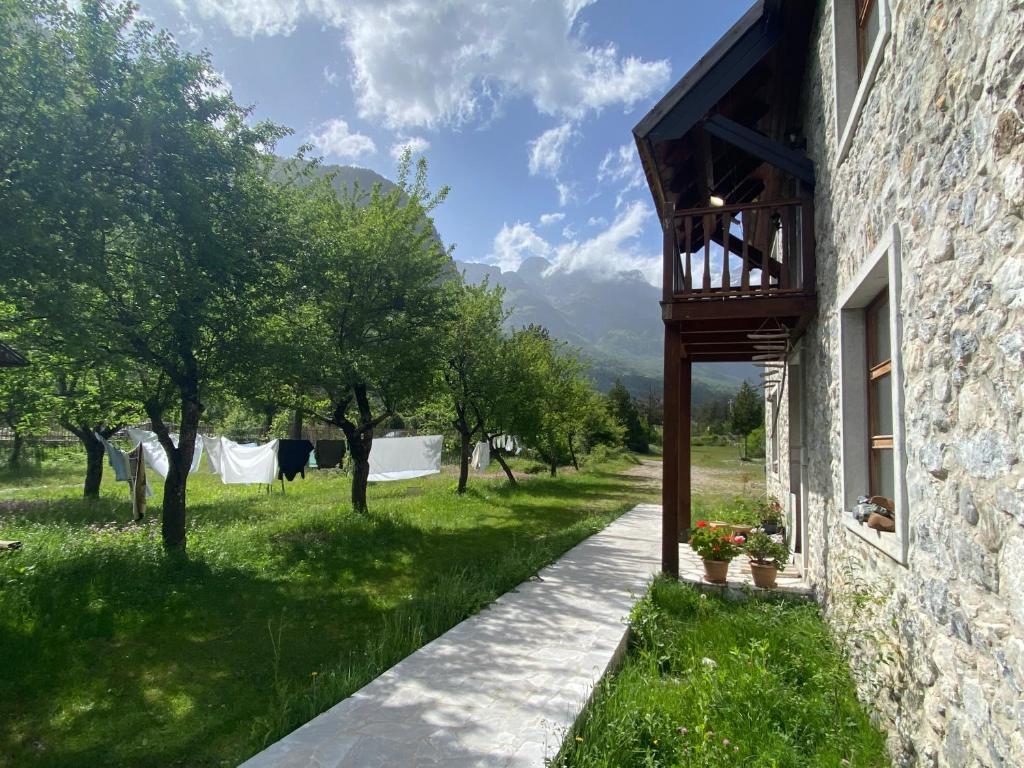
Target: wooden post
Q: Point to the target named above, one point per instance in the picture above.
(685, 390)
(671, 453)
(137, 473)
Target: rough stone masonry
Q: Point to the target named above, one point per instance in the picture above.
(936, 645)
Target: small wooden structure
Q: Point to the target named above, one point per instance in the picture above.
(724, 160)
(9, 358)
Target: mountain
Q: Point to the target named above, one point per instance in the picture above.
(615, 321)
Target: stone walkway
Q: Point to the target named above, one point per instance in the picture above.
(502, 687)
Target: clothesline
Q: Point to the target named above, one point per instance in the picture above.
(397, 458)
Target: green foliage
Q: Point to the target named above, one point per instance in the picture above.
(710, 682)
(628, 416)
(173, 662)
(747, 410)
(715, 543)
(754, 443)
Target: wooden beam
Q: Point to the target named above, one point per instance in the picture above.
(685, 399)
(790, 161)
(671, 453)
(761, 306)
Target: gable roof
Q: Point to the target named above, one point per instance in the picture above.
(10, 358)
(743, 93)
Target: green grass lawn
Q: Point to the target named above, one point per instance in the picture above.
(115, 654)
(710, 682)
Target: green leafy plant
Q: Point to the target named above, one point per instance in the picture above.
(765, 549)
(715, 543)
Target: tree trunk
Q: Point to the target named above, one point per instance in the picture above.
(572, 455)
(359, 446)
(14, 460)
(268, 419)
(464, 457)
(295, 429)
(498, 454)
(180, 459)
(94, 455)
(554, 469)
(360, 441)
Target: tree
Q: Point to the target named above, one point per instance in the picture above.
(471, 379)
(358, 344)
(747, 411)
(162, 248)
(628, 416)
(92, 400)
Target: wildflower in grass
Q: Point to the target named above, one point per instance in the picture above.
(579, 738)
(683, 730)
(725, 742)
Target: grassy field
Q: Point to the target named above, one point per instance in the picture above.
(715, 683)
(115, 654)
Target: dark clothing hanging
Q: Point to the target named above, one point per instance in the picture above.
(292, 458)
(329, 453)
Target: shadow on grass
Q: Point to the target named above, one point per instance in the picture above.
(119, 655)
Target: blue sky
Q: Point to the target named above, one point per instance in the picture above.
(523, 107)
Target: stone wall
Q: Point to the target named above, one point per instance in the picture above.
(936, 646)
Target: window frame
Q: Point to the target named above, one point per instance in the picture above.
(863, 10)
(881, 272)
(852, 80)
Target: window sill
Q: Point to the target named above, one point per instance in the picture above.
(889, 543)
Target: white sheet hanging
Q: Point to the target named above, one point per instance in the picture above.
(245, 464)
(481, 456)
(402, 458)
(156, 456)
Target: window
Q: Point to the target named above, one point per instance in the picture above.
(871, 393)
(868, 27)
(881, 477)
(860, 31)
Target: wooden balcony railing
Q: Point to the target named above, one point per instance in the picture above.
(753, 249)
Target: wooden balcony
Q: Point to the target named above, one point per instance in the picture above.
(734, 270)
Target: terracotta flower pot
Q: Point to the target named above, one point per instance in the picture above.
(764, 575)
(716, 571)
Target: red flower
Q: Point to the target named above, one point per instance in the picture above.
(702, 523)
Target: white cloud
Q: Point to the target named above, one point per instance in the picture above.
(547, 219)
(614, 249)
(416, 144)
(597, 221)
(622, 165)
(547, 151)
(420, 63)
(330, 76)
(515, 243)
(335, 139)
(566, 194)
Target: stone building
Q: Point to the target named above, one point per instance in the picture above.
(859, 166)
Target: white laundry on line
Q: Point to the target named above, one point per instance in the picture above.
(248, 464)
(481, 456)
(156, 456)
(402, 458)
(117, 458)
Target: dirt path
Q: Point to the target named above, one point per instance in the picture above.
(706, 480)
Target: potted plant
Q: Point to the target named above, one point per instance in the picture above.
(771, 515)
(716, 547)
(768, 554)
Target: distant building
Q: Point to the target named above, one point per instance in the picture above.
(841, 186)
(10, 358)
